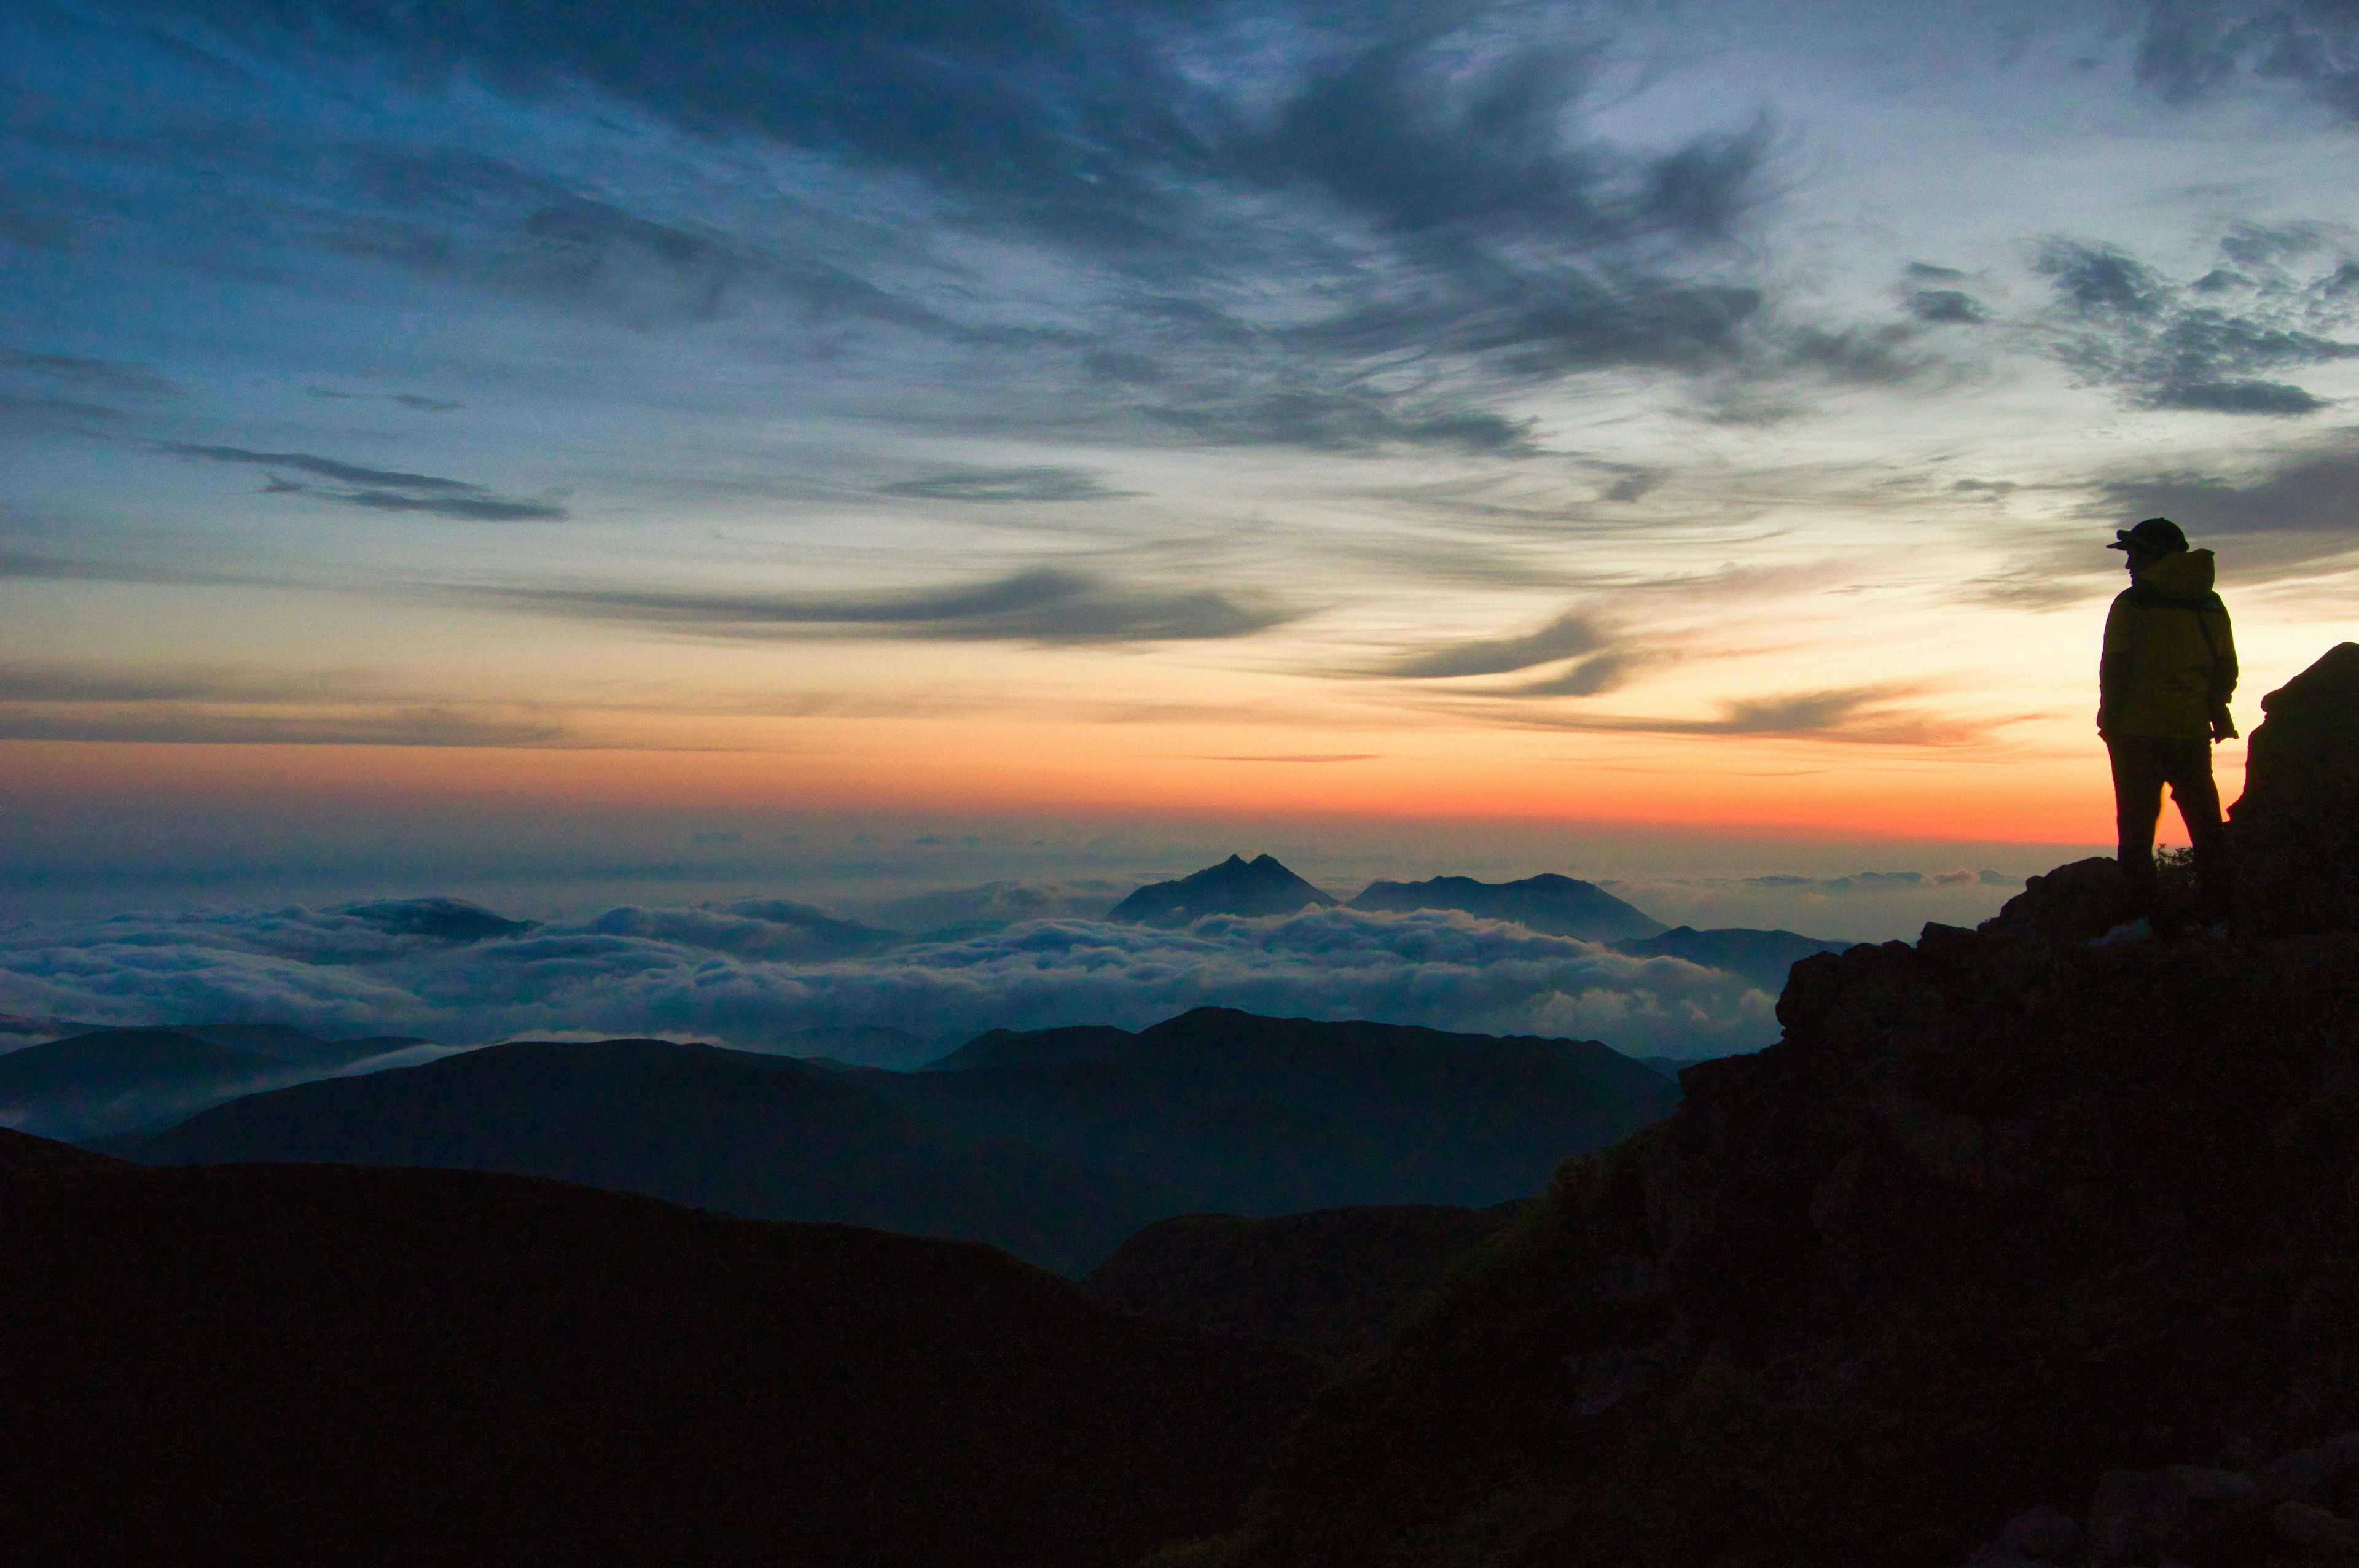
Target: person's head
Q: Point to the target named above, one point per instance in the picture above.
(2149, 542)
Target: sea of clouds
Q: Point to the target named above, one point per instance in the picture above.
(751, 972)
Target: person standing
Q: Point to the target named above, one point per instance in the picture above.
(2163, 684)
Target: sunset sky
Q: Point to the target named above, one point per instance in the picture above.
(457, 435)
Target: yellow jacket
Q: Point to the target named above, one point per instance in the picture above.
(2169, 655)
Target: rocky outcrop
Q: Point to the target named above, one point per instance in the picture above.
(2000, 1214)
(2299, 1508)
(2297, 828)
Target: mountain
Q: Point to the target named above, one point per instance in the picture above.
(328, 1364)
(2009, 1236)
(1036, 1047)
(441, 919)
(868, 1044)
(1236, 886)
(1247, 1115)
(769, 1137)
(1327, 1283)
(112, 1080)
(1560, 906)
(1761, 957)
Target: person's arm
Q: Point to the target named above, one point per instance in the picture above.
(2113, 664)
(2222, 638)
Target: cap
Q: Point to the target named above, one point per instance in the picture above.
(2160, 535)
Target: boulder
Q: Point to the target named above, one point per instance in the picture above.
(2070, 904)
(2203, 1484)
(2312, 1530)
(2136, 1516)
(2302, 1476)
(2044, 1534)
(2296, 830)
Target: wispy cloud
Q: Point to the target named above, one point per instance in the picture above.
(377, 490)
(1042, 483)
(1573, 634)
(1037, 604)
(2269, 305)
(1874, 716)
(416, 403)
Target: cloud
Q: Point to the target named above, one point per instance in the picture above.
(1592, 676)
(1037, 604)
(1946, 306)
(1569, 634)
(1854, 715)
(1005, 485)
(377, 490)
(416, 402)
(1290, 223)
(32, 681)
(15, 409)
(2296, 509)
(96, 375)
(2118, 322)
(2192, 49)
(179, 724)
(746, 974)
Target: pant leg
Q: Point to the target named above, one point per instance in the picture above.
(2139, 770)
(2198, 795)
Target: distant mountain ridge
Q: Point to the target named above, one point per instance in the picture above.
(1236, 886)
(1244, 1114)
(766, 1137)
(1763, 957)
(1056, 1145)
(1558, 905)
(113, 1080)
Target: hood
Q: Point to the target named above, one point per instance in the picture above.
(2184, 574)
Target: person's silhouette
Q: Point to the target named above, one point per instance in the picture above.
(2168, 669)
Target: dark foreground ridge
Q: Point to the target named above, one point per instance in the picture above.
(2004, 1222)
(316, 1364)
(1330, 1283)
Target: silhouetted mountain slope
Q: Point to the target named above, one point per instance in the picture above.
(764, 1136)
(1236, 886)
(2003, 1219)
(284, 1043)
(1762, 957)
(89, 1085)
(1327, 1281)
(1036, 1047)
(333, 1365)
(1253, 1115)
(441, 919)
(1561, 906)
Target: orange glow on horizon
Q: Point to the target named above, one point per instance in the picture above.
(1763, 788)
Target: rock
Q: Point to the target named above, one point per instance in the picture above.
(2295, 831)
(2044, 1532)
(2073, 903)
(2136, 1516)
(2302, 1476)
(2203, 1484)
(1998, 1554)
(2311, 1530)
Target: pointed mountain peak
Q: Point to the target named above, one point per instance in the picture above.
(1236, 886)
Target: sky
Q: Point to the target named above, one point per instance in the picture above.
(610, 453)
